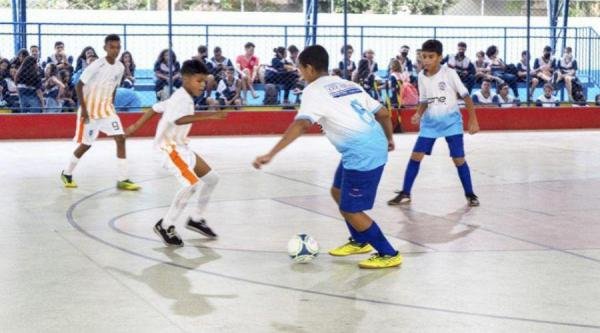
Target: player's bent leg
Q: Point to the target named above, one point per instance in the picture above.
(356, 244)
(209, 180)
(412, 170)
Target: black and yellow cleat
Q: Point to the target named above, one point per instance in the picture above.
(128, 185)
(67, 180)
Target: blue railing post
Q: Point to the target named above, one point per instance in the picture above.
(362, 38)
(505, 44)
(434, 32)
(285, 36)
(589, 67)
(39, 29)
(206, 36)
(125, 36)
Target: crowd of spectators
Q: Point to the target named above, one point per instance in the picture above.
(30, 84)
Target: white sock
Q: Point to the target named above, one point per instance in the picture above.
(178, 204)
(122, 169)
(211, 179)
(71, 166)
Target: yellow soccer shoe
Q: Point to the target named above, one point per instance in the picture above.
(352, 247)
(378, 261)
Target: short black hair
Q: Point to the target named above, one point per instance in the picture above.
(347, 47)
(405, 47)
(547, 48)
(193, 66)
(316, 56)
(248, 45)
(34, 46)
(502, 86)
(433, 45)
(524, 53)
(462, 44)
(217, 49)
(112, 38)
(569, 49)
(202, 49)
(491, 50)
(293, 49)
(486, 80)
(57, 43)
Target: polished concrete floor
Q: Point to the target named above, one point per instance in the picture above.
(86, 259)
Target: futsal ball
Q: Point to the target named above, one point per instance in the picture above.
(303, 248)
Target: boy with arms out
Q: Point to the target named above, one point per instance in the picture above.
(360, 128)
(172, 138)
(440, 116)
(96, 94)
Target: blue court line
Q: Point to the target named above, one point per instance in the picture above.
(74, 224)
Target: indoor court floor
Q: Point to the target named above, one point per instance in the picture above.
(87, 260)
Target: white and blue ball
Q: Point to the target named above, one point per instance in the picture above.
(302, 248)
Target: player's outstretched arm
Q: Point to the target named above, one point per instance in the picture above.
(297, 128)
(383, 118)
(473, 123)
(140, 122)
(200, 116)
(81, 99)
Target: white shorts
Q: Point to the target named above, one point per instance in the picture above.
(88, 133)
(181, 161)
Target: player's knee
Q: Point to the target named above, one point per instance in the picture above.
(417, 157)
(119, 139)
(335, 193)
(458, 161)
(211, 179)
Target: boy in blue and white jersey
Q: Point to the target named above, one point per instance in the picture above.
(440, 116)
(360, 129)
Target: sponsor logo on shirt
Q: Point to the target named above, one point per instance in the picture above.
(442, 85)
(341, 89)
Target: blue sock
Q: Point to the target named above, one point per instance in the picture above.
(375, 237)
(356, 236)
(412, 170)
(465, 178)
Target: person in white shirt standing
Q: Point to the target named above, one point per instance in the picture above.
(172, 139)
(96, 94)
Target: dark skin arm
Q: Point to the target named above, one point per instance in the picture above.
(79, 91)
(383, 118)
(295, 130)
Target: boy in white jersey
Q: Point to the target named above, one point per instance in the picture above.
(96, 94)
(360, 128)
(440, 116)
(172, 139)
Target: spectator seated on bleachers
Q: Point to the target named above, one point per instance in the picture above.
(67, 96)
(522, 73)
(220, 64)
(350, 65)
(161, 72)
(567, 71)
(484, 96)
(282, 72)
(52, 86)
(59, 52)
(129, 72)
(405, 62)
(229, 89)
(545, 65)
(81, 62)
(11, 94)
(503, 99)
(366, 74)
(462, 65)
(29, 86)
(547, 100)
(247, 65)
(499, 69)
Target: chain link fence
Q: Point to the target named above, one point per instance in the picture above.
(255, 65)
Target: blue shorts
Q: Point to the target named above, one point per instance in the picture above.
(455, 143)
(357, 188)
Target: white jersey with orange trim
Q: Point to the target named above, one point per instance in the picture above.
(173, 139)
(100, 79)
(168, 134)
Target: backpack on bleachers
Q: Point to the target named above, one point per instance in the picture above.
(577, 91)
(271, 94)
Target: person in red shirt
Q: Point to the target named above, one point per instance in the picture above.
(247, 66)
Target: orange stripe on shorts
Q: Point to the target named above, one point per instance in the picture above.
(183, 168)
